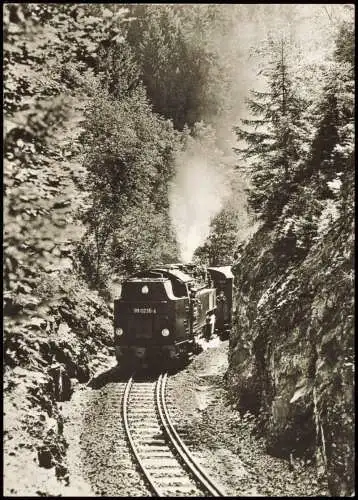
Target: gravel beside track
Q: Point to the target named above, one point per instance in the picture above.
(223, 441)
(98, 456)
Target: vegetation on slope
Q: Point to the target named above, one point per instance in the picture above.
(54, 325)
(86, 178)
(99, 100)
(291, 351)
(57, 60)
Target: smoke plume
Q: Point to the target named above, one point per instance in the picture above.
(202, 181)
(197, 194)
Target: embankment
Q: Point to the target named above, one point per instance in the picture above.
(291, 351)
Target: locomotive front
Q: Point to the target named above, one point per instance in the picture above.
(150, 320)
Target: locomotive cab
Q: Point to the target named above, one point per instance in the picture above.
(151, 316)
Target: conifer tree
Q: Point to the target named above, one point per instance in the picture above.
(274, 136)
(333, 142)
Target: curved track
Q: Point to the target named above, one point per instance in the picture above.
(166, 462)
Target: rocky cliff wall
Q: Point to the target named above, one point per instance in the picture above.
(43, 361)
(291, 349)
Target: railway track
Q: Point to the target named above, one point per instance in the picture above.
(169, 467)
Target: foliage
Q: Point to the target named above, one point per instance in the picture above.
(345, 44)
(51, 69)
(293, 333)
(219, 249)
(303, 123)
(128, 155)
(276, 139)
(86, 153)
(182, 69)
(56, 58)
(48, 51)
(38, 180)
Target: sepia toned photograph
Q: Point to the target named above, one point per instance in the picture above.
(178, 250)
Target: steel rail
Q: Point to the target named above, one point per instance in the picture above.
(131, 441)
(198, 471)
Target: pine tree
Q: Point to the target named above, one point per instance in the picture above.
(333, 143)
(274, 137)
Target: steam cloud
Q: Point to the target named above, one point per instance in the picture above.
(196, 196)
(201, 185)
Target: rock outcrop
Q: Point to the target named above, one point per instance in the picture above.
(291, 349)
(43, 362)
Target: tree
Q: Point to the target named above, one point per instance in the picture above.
(333, 141)
(275, 139)
(344, 52)
(50, 61)
(38, 183)
(129, 159)
(220, 246)
(181, 64)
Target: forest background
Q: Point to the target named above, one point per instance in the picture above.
(145, 134)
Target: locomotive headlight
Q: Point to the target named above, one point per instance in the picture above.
(118, 331)
(165, 332)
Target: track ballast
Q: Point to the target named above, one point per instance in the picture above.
(169, 467)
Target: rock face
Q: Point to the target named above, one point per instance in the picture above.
(291, 349)
(43, 361)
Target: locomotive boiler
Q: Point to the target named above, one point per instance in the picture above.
(161, 311)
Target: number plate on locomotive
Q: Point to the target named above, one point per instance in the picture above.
(144, 310)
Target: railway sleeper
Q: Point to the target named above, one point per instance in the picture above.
(170, 469)
(157, 456)
(182, 491)
(140, 413)
(149, 431)
(140, 422)
(152, 442)
(179, 477)
(181, 481)
(149, 447)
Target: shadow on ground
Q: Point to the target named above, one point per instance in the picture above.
(114, 374)
(122, 374)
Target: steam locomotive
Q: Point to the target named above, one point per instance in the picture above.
(160, 312)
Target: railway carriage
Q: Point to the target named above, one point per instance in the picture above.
(223, 281)
(160, 312)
